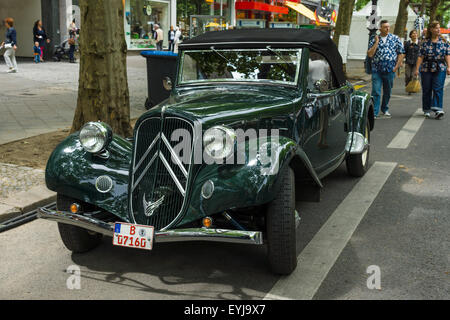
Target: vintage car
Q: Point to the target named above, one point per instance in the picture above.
(254, 121)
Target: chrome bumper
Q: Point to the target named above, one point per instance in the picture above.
(191, 234)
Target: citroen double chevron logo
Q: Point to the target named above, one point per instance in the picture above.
(150, 207)
(166, 164)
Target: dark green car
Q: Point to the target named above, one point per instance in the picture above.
(254, 121)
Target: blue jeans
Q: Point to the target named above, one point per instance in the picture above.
(432, 90)
(385, 79)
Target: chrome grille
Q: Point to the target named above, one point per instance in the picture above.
(159, 177)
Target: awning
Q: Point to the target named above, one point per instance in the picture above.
(304, 11)
(260, 6)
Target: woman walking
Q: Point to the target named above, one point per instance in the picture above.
(73, 30)
(412, 53)
(40, 36)
(433, 64)
(10, 44)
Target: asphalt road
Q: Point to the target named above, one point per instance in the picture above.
(401, 230)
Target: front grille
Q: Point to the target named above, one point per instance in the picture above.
(158, 179)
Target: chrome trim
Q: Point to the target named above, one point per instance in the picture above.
(190, 234)
(174, 155)
(144, 171)
(356, 143)
(187, 45)
(172, 174)
(146, 153)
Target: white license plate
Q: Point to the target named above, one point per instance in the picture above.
(133, 235)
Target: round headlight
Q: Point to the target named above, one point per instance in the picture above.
(219, 142)
(95, 136)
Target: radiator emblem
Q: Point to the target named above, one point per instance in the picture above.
(150, 207)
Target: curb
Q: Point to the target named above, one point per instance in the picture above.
(25, 201)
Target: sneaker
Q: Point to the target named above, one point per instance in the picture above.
(439, 114)
(11, 71)
(387, 114)
(426, 114)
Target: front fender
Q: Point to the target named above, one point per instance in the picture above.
(72, 171)
(239, 185)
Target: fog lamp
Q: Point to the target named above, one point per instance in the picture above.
(207, 189)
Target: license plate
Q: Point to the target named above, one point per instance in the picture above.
(133, 235)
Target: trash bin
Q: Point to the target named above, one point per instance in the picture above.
(160, 65)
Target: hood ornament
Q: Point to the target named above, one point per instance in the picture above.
(150, 207)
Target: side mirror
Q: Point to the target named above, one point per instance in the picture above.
(167, 83)
(321, 85)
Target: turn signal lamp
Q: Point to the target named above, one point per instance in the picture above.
(207, 222)
(74, 208)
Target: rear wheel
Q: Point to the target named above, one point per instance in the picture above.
(358, 164)
(75, 239)
(280, 225)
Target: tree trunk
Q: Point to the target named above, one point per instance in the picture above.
(344, 19)
(103, 86)
(423, 7)
(402, 19)
(433, 9)
(342, 28)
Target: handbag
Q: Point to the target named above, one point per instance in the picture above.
(71, 41)
(413, 86)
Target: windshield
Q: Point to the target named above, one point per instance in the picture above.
(253, 65)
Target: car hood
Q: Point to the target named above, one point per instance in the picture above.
(220, 105)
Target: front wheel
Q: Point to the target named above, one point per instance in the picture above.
(281, 230)
(358, 164)
(75, 239)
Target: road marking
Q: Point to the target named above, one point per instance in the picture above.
(409, 130)
(321, 253)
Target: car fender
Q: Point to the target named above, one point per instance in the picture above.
(361, 111)
(73, 172)
(244, 185)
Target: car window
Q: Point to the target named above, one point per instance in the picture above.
(319, 69)
(255, 65)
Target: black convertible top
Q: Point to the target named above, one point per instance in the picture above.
(317, 40)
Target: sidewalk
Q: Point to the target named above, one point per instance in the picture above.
(42, 98)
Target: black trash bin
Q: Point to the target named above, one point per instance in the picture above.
(160, 65)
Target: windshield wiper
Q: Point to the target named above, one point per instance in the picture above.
(223, 57)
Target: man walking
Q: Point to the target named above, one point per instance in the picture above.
(387, 52)
(159, 38)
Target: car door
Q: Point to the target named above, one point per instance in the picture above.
(324, 116)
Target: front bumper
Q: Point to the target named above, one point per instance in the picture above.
(191, 234)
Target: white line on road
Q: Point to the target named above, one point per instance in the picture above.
(319, 256)
(409, 130)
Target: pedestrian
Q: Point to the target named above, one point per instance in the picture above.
(40, 36)
(73, 31)
(433, 64)
(387, 52)
(171, 37)
(412, 53)
(178, 38)
(37, 52)
(10, 44)
(159, 38)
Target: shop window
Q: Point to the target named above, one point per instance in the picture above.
(142, 17)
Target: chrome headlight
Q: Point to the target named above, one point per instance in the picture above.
(95, 136)
(218, 142)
